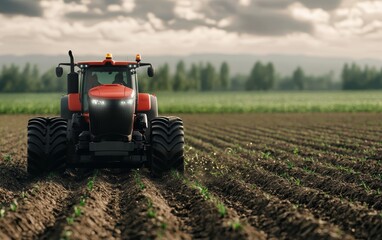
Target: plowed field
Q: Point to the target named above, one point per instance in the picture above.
(249, 176)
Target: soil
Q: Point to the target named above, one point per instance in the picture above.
(248, 176)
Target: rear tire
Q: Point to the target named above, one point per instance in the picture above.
(167, 145)
(47, 145)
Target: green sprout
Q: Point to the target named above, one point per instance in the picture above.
(163, 226)
(24, 194)
(70, 220)
(295, 151)
(13, 206)
(290, 165)
(77, 211)
(266, 155)
(90, 185)
(236, 225)
(7, 157)
(67, 234)
(138, 180)
(365, 186)
(203, 191)
(2, 212)
(82, 201)
(150, 211)
(222, 210)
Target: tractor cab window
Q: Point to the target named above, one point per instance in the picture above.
(100, 75)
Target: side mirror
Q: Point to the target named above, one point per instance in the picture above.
(150, 71)
(59, 71)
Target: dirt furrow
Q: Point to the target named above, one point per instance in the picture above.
(276, 151)
(201, 217)
(145, 213)
(300, 176)
(36, 212)
(279, 219)
(89, 218)
(348, 216)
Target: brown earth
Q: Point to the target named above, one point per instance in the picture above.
(248, 176)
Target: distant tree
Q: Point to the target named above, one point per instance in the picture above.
(208, 77)
(165, 78)
(160, 82)
(298, 78)
(262, 77)
(194, 77)
(224, 76)
(253, 82)
(270, 75)
(34, 81)
(10, 79)
(180, 77)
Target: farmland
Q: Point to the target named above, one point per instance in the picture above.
(249, 176)
(220, 102)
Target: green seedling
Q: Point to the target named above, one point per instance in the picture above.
(82, 201)
(90, 185)
(222, 210)
(163, 226)
(290, 165)
(266, 155)
(7, 157)
(77, 211)
(176, 174)
(67, 234)
(236, 226)
(306, 169)
(365, 186)
(295, 151)
(151, 213)
(150, 209)
(284, 175)
(2, 212)
(138, 180)
(296, 181)
(203, 191)
(24, 194)
(70, 220)
(345, 169)
(13, 206)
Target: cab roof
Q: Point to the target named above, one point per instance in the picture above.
(109, 61)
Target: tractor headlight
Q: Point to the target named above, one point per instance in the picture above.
(98, 102)
(127, 102)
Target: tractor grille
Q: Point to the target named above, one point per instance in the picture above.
(111, 120)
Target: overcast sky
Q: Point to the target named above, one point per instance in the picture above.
(338, 28)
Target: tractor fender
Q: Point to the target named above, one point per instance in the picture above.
(69, 105)
(148, 104)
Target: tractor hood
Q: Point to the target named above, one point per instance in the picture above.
(111, 91)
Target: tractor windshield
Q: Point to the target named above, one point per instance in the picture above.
(98, 75)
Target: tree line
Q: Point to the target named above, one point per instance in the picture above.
(204, 77)
(355, 77)
(29, 79)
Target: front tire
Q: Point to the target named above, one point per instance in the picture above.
(167, 145)
(47, 145)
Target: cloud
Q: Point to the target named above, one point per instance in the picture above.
(20, 7)
(163, 10)
(253, 18)
(280, 4)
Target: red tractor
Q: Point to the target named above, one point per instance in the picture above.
(105, 122)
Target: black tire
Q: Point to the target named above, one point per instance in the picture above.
(47, 145)
(167, 145)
